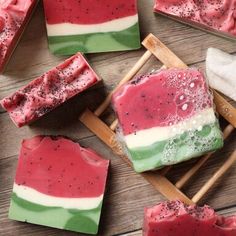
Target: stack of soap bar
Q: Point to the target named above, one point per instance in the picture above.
(166, 118)
(91, 26)
(50, 90)
(177, 219)
(59, 184)
(14, 16)
(214, 16)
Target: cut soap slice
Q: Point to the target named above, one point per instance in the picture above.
(50, 90)
(166, 118)
(214, 16)
(177, 219)
(59, 184)
(91, 26)
(14, 16)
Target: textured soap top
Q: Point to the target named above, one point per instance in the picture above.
(215, 15)
(13, 17)
(50, 90)
(177, 219)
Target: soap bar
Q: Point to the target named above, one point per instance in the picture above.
(221, 70)
(165, 118)
(14, 16)
(50, 90)
(213, 16)
(91, 26)
(59, 184)
(177, 219)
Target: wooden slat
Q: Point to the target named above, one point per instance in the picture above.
(191, 172)
(99, 128)
(225, 108)
(231, 160)
(139, 64)
(165, 187)
(164, 54)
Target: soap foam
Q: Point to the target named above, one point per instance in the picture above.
(196, 143)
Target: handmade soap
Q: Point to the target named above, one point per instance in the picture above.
(221, 70)
(214, 16)
(14, 16)
(165, 118)
(59, 184)
(50, 90)
(177, 219)
(91, 26)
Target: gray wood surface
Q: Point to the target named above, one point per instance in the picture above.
(127, 192)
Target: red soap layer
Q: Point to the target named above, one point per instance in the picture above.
(14, 14)
(177, 219)
(215, 15)
(50, 90)
(61, 168)
(87, 11)
(161, 99)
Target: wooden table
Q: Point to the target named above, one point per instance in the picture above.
(127, 192)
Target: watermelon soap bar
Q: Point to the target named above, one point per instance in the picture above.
(59, 184)
(177, 219)
(165, 118)
(50, 90)
(214, 16)
(14, 16)
(91, 26)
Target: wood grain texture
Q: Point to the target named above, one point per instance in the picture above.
(127, 193)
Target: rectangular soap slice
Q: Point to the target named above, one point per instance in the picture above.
(166, 117)
(214, 16)
(50, 90)
(91, 26)
(59, 184)
(14, 16)
(177, 219)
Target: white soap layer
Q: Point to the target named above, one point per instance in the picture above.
(149, 136)
(65, 29)
(32, 195)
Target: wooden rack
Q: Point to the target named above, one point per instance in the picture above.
(157, 178)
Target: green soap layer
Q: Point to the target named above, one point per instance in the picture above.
(83, 221)
(177, 149)
(128, 39)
